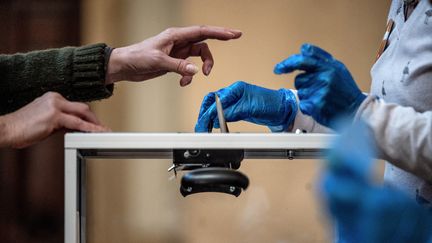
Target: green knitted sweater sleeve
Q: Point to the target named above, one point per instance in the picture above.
(78, 73)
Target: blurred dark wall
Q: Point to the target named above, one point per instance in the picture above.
(31, 179)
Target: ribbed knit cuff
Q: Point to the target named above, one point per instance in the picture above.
(88, 78)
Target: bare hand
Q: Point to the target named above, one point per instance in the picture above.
(42, 117)
(167, 52)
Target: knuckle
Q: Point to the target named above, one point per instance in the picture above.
(80, 123)
(181, 65)
(209, 96)
(51, 103)
(77, 123)
(84, 107)
(53, 95)
(204, 45)
(170, 31)
(49, 94)
(53, 99)
(239, 83)
(202, 28)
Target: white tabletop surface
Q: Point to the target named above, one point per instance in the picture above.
(196, 140)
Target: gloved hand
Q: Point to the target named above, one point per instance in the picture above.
(326, 89)
(362, 211)
(242, 101)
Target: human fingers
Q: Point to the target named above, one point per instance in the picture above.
(307, 84)
(205, 122)
(81, 110)
(75, 123)
(232, 93)
(208, 100)
(184, 67)
(304, 80)
(229, 98)
(315, 51)
(314, 104)
(187, 69)
(185, 80)
(313, 92)
(178, 65)
(298, 62)
(235, 108)
(202, 50)
(200, 33)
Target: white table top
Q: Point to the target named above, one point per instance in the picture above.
(196, 140)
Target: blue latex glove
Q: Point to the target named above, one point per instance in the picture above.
(326, 89)
(242, 101)
(362, 211)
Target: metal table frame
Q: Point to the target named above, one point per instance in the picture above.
(81, 146)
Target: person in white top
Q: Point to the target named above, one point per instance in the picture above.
(397, 111)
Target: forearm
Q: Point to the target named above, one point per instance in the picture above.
(402, 135)
(78, 73)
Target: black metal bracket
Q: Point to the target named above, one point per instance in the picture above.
(213, 170)
(202, 158)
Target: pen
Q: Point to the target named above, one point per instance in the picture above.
(221, 117)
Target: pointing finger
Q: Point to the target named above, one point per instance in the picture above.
(200, 33)
(314, 51)
(298, 62)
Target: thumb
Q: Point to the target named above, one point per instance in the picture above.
(180, 66)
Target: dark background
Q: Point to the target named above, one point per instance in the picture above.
(31, 179)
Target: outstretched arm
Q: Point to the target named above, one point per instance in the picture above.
(78, 73)
(87, 73)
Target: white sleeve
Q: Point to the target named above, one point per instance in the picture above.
(306, 123)
(402, 135)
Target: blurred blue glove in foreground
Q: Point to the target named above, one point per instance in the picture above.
(326, 89)
(242, 101)
(360, 210)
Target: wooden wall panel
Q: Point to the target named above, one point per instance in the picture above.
(31, 180)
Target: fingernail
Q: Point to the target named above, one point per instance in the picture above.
(182, 84)
(208, 70)
(232, 34)
(192, 69)
(236, 31)
(188, 82)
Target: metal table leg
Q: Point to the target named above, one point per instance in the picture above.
(71, 200)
